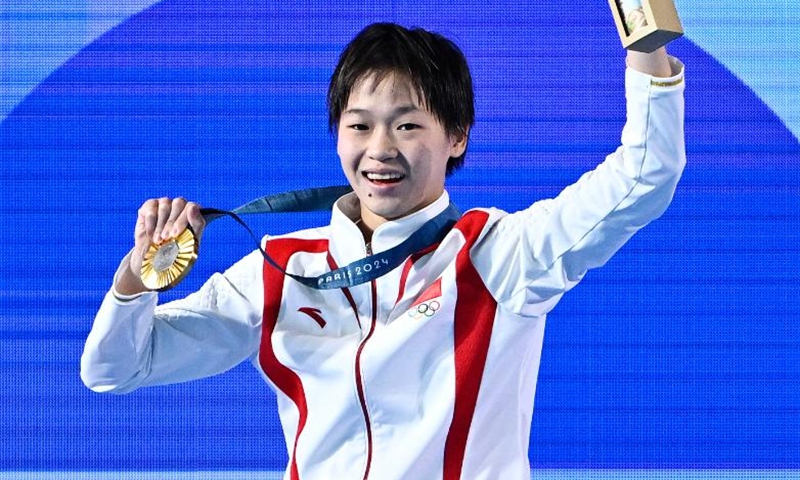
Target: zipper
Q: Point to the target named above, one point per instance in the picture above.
(359, 380)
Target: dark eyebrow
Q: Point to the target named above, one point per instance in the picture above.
(397, 112)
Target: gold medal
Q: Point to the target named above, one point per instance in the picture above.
(164, 265)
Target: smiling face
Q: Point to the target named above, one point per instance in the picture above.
(394, 152)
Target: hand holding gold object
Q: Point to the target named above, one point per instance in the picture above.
(646, 25)
(166, 242)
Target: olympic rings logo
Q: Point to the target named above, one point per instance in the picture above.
(425, 309)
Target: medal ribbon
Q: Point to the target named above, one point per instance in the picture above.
(358, 272)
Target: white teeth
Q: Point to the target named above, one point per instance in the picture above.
(384, 176)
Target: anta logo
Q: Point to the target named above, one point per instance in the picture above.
(428, 303)
(314, 313)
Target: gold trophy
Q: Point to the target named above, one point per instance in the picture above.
(646, 25)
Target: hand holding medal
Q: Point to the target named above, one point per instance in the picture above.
(167, 237)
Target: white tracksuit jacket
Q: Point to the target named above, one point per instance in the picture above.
(428, 372)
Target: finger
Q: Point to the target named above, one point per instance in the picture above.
(143, 233)
(164, 210)
(147, 219)
(176, 222)
(196, 220)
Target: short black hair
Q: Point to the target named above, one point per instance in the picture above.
(435, 66)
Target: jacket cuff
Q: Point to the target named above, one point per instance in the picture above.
(126, 299)
(643, 81)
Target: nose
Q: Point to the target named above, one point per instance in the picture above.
(381, 145)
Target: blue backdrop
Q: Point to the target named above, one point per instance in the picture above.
(682, 352)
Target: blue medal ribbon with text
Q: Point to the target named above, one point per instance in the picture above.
(358, 272)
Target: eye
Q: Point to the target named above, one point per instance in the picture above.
(408, 126)
(360, 127)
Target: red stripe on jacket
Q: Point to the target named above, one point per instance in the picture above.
(282, 376)
(474, 317)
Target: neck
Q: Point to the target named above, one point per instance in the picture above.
(366, 231)
(368, 223)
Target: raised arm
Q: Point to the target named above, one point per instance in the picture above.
(547, 248)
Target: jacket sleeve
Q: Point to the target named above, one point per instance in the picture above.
(547, 248)
(135, 343)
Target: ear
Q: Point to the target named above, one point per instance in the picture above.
(458, 144)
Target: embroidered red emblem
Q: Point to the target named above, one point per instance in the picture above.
(426, 304)
(434, 291)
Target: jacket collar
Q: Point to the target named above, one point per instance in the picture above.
(346, 241)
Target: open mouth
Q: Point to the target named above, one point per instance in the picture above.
(384, 178)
